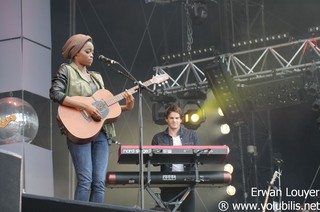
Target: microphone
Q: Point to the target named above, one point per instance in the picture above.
(107, 60)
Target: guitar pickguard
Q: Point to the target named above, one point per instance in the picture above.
(102, 106)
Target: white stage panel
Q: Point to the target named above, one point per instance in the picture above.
(11, 65)
(10, 19)
(36, 21)
(36, 69)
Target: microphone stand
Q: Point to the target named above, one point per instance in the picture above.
(275, 175)
(128, 75)
(279, 163)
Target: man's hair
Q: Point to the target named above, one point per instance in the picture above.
(173, 108)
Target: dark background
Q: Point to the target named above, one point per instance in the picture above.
(137, 34)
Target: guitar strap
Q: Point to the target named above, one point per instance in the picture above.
(95, 78)
(62, 128)
(68, 77)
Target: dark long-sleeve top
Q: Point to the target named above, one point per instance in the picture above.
(188, 137)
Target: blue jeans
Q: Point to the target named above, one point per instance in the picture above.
(90, 162)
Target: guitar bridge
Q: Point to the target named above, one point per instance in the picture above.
(85, 115)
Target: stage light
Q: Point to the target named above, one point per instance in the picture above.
(220, 112)
(200, 11)
(231, 190)
(228, 168)
(314, 29)
(159, 106)
(252, 150)
(192, 119)
(225, 129)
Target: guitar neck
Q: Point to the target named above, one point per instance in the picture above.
(120, 96)
(133, 90)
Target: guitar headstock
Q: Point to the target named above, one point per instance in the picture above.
(5, 121)
(159, 78)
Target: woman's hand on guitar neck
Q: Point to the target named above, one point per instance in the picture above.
(129, 101)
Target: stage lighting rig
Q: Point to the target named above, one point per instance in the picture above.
(160, 1)
(262, 40)
(222, 86)
(195, 54)
(276, 93)
(189, 101)
(315, 30)
(193, 118)
(200, 10)
(159, 106)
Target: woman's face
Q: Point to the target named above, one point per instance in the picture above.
(85, 56)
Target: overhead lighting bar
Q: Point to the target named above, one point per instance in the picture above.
(275, 93)
(261, 40)
(314, 29)
(159, 1)
(180, 55)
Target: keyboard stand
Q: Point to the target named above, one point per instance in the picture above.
(177, 200)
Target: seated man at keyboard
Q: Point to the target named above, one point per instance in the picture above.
(176, 135)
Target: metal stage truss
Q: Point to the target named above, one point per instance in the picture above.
(279, 68)
(261, 65)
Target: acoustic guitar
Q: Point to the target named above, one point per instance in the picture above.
(80, 127)
(5, 121)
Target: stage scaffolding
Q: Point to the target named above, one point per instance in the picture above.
(264, 76)
(263, 79)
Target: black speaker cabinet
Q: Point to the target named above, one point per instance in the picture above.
(34, 203)
(10, 181)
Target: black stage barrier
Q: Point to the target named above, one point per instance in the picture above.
(34, 203)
